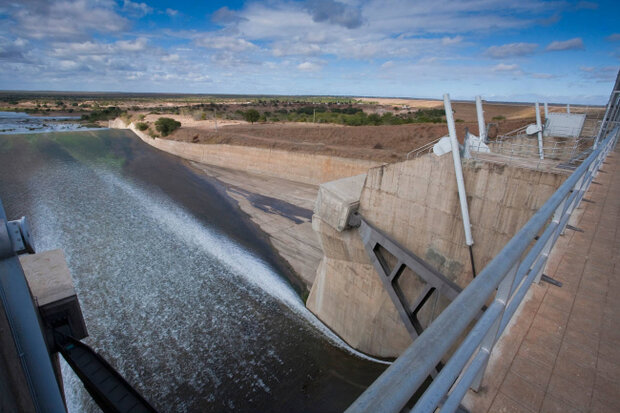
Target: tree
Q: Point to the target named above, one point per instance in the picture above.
(251, 115)
(166, 126)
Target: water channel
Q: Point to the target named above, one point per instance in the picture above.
(179, 290)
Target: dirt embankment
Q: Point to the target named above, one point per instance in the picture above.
(389, 143)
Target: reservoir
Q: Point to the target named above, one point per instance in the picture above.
(179, 290)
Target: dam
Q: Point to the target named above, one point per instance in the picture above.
(178, 290)
(405, 222)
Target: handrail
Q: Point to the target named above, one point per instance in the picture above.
(426, 147)
(24, 325)
(506, 272)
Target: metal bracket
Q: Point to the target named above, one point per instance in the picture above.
(550, 280)
(373, 239)
(574, 228)
(19, 233)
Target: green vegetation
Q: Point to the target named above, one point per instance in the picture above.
(142, 126)
(498, 118)
(166, 126)
(251, 115)
(108, 113)
(353, 116)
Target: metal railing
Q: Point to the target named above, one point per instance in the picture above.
(422, 150)
(509, 275)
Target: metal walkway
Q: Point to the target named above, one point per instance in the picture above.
(506, 280)
(106, 386)
(562, 354)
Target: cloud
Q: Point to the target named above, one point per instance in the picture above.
(309, 67)
(136, 9)
(335, 12)
(615, 37)
(170, 58)
(571, 44)
(451, 40)
(64, 19)
(13, 50)
(502, 67)
(600, 74)
(131, 46)
(511, 50)
(543, 76)
(228, 43)
(172, 12)
(226, 16)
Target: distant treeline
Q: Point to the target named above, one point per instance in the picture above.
(351, 116)
(108, 113)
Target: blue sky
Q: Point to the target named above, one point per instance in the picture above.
(525, 50)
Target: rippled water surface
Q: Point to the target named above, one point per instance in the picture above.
(179, 291)
(20, 122)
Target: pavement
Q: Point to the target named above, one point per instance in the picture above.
(562, 352)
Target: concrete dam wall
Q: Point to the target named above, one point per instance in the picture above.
(415, 203)
(294, 166)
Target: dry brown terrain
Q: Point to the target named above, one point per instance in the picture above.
(386, 143)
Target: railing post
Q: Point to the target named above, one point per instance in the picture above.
(491, 337)
(540, 136)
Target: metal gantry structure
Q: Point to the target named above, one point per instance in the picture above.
(504, 282)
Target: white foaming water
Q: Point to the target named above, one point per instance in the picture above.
(241, 261)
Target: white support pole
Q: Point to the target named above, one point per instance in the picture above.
(482, 130)
(546, 111)
(458, 170)
(540, 137)
(568, 108)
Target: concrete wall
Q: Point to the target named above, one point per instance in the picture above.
(295, 166)
(416, 203)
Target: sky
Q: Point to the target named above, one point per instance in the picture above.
(519, 50)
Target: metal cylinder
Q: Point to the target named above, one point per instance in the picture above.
(482, 130)
(540, 137)
(458, 170)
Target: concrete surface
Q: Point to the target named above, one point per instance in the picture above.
(338, 199)
(293, 166)
(562, 353)
(48, 276)
(416, 203)
(282, 209)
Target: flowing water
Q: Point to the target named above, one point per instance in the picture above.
(180, 292)
(20, 122)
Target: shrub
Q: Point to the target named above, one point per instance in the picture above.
(166, 126)
(251, 115)
(142, 126)
(498, 118)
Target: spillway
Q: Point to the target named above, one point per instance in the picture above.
(180, 292)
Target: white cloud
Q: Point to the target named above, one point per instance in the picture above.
(228, 43)
(335, 12)
(309, 67)
(543, 76)
(170, 58)
(131, 46)
(600, 74)
(502, 67)
(172, 12)
(451, 40)
(65, 19)
(511, 50)
(136, 9)
(615, 37)
(571, 44)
